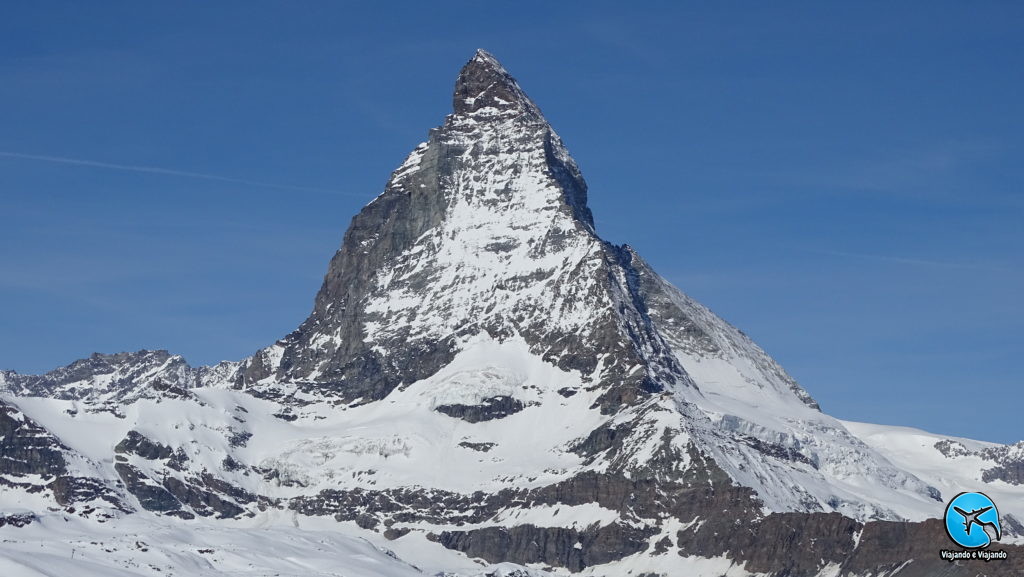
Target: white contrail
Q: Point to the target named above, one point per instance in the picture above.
(168, 171)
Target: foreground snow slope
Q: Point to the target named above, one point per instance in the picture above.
(59, 546)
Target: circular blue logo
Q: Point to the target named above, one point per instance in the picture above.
(972, 521)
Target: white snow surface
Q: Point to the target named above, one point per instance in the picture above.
(59, 546)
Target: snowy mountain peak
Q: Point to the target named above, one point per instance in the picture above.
(483, 377)
(483, 229)
(485, 88)
(481, 254)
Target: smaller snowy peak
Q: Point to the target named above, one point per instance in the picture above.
(953, 464)
(485, 88)
(119, 378)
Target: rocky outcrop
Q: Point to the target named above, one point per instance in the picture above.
(1007, 460)
(17, 519)
(69, 490)
(34, 460)
(489, 408)
(206, 502)
(136, 443)
(571, 548)
(204, 495)
(28, 449)
(151, 495)
(482, 447)
(1009, 464)
(1012, 473)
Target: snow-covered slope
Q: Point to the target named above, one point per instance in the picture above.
(482, 380)
(954, 464)
(61, 546)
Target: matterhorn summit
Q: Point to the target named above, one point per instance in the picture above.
(483, 387)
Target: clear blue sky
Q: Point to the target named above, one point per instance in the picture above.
(841, 181)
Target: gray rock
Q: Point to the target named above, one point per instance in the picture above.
(150, 494)
(488, 409)
(135, 443)
(17, 519)
(26, 448)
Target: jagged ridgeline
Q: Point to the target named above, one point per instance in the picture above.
(483, 379)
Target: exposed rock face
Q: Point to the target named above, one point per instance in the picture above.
(35, 461)
(489, 408)
(1009, 464)
(1007, 461)
(173, 485)
(17, 519)
(554, 546)
(26, 448)
(139, 445)
(151, 496)
(482, 371)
